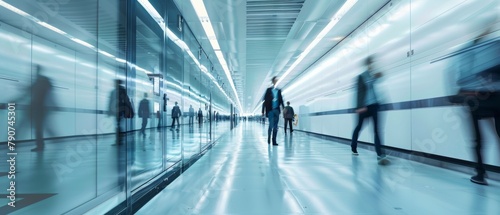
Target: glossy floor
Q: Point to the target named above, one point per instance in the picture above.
(242, 175)
(71, 171)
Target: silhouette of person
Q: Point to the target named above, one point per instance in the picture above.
(288, 115)
(120, 107)
(191, 115)
(176, 113)
(158, 116)
(273, 100)
(41, 90)
(144, 113)
(479, 82)
(367, 107)
(200, 116)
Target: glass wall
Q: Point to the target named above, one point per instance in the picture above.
(92, 85)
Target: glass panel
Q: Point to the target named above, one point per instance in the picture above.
(49, 60)
(191, 70)
(174, 78)
(111, 67)
(146, 156)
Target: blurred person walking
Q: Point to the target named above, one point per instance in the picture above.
(367, 107)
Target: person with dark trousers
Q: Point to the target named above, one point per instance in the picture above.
(273, 101)
(367, 107)
(479, 82)
(176, 113)
(200, 116)
(120, 107)
(191, 115)
(144, 113)
(41, 90)
(288, 115)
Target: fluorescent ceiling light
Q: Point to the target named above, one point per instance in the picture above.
(120, 60)
(334, 20)
(66, 58)
(156, 16)
(82, 42)
(151, 10)
(202, 14)
(14, 9)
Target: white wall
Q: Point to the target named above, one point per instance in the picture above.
(431, 29)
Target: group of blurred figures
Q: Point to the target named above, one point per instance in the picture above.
(476, 69)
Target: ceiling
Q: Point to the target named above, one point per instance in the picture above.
(259, 38)
(263, 38)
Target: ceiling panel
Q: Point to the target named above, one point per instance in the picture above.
(263, 38)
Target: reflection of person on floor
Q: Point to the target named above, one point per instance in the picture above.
(144, 113)
(120, 107)
(40, 90)
(191, 115)
(200, 116)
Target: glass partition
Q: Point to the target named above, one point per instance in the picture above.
(94, 84)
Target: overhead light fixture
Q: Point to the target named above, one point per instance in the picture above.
(202, 14)
(171, 35)
(334, 20)
(337, 38)
(151, 10)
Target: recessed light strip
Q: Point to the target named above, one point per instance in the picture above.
(202, 14)
(334, 20)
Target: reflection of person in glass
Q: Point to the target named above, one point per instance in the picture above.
(367, 107)
(144, 113)
(273, 101)
(200, 116)
(120, 107)
(176, 113)
(40, 90)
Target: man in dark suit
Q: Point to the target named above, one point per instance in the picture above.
(273, 100)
